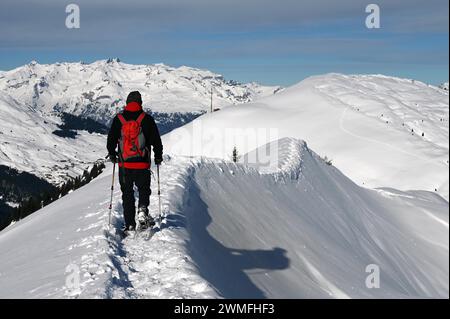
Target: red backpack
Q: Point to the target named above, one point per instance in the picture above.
(132, 140)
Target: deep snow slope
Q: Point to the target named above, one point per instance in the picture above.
(99, 89)
(380, 131)
(300, 229)
(27, 143)
(310, 232)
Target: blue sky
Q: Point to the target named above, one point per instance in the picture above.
(271, 42)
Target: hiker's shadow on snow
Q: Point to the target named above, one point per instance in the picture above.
(227, 269)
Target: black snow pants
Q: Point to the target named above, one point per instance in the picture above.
(128, 178)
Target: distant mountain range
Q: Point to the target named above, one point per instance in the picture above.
(98, 90)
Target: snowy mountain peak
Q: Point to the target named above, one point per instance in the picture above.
(375, 80)
(113, 60)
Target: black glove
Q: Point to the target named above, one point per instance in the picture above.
(158, 161)
(113, 157)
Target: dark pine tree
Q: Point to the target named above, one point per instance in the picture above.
(235, 155)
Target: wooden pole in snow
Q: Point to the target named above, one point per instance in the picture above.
(211, 99)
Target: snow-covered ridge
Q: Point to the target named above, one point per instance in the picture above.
(231, 231)
(99, 89)
(381, 131)
(312, 236)
(281, 158)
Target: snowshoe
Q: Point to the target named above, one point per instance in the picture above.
(144, 222)
(144, 219)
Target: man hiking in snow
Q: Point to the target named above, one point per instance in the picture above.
(134, 132)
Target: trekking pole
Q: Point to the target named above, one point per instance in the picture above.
(159, 194)
(112, 191)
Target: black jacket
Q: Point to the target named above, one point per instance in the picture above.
(149, 128)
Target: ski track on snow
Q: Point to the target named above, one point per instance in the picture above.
(392, 147)
(158, 267)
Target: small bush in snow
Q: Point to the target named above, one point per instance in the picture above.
(235, 156)
(327, 160)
